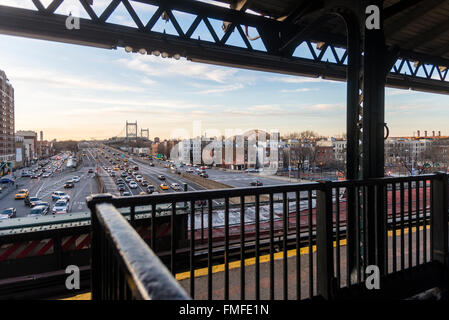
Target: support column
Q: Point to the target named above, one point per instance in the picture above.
(374, 77)
(353, 90)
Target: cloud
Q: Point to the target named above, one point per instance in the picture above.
(399, 92)
(158, 67)
(288, 79)
(67, 81)
(327, 107)
(221, 89)
(153, 105)
(299, 90)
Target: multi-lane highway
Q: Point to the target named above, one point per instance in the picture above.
(43, 186)
(230, 178)
(107, 159)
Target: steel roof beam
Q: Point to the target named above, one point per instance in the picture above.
(301, 9)
(428, 36)
(418, 11)
(399, 7)
(32, 24)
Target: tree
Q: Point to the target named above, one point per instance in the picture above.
(303, 136)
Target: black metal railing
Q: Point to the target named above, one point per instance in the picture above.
(315, 241)
(123, 266)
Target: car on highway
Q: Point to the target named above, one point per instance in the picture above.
(161, 177)
(150, 188)
(139, 178)
(34, 176)
(144, 183)
(121, 187)
(41, 203)
(8, 213)
(175, 186)
(136, 168)
(142, 193)
(60, 195)
(128, 179)
(151, 164)
(164, 186)
(46, 175)
(90, 170)
(189, 170)
(21, 194)
(133, 185)
(204, 175)
(25, 174)
(30, 201)
(124, 174)
(38, 211)
(60, 207)
(126, 194)
(120, 180)
(69, 184)
(256, 183)
(76, 179)
(155, 192)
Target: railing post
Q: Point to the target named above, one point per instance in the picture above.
(96, 252)
(324, 241)
(439, 220)
(380, 221)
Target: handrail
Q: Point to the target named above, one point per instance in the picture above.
(247, 191)
(115, 241)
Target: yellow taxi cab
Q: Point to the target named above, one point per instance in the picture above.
(164, 186)
(125, 160)
(115, 169)
(21, 194)
(142, 193)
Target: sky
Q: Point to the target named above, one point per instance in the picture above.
(77, 92)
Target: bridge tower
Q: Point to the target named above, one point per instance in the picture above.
(131, 131)
(145, 133)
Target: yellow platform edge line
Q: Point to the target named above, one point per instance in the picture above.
(82, 296)
(266, 258)
(248, 262)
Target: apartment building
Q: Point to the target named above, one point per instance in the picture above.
(7, 149)
(29, 144)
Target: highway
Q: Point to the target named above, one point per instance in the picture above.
(149, 173)
(43, 187)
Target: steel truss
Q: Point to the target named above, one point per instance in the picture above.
(276, 54)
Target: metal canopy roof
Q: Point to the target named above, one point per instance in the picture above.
(415, 30)
(421, 26)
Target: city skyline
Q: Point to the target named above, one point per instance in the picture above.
(77, 92)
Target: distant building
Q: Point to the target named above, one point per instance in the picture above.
(340, 147)
(406, 149)
(155, 148)
(29, 143)
(324, 153)
(20, 153)
(7, 150)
